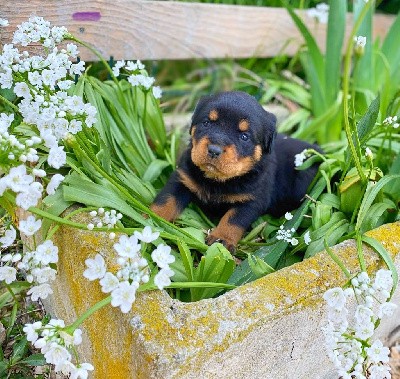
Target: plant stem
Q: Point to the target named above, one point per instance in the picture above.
(360, 252)
(337, 260)
(9, 103)
(98, 55)
(102, 303)
(351, 131)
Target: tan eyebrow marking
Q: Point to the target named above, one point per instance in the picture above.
(244, 125)
(213, 115)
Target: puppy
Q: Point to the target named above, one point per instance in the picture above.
(236, 168)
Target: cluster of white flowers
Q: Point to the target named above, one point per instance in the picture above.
(301, 157)
(102, 218)
(320, 13)
(287, 235)
(137, 76)
(391, 121)
(359, 44)
(348, 340)
(133, 268)
(35, 264)
(56, 344)
(42, 83)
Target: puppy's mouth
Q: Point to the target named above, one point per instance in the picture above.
(219, 163)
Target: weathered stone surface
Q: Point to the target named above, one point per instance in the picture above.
(269, 329)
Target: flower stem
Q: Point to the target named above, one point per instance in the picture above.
(9, 103)
(102, 303)
(336, 259)
(360, 252)
(351, 131)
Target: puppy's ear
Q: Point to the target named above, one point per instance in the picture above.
(198, 111)
(269, 124)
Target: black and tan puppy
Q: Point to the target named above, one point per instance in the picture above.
(236, 167)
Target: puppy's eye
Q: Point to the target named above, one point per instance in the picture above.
(207, 123)
(244, 137)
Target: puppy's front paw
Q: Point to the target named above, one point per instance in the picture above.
(212, 238)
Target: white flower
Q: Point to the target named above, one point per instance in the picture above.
(391, 121)
(368, 153)
(17, 179)
(378, 353)
(57, 156)
(157, 92)
(386, 309)
(57, 354)
(5, 122)
(40, 292)
(288, 216)
(8, 274)
(360, 42)
(127, 247)
(109, 282)
(55, 181)
(162, 256)
(307, 238)
(383, 280)
(320, 13)
(47, 253)
(294, 241)
(30, 197)
(31, 331)
(300, 158)
(9, 237)
(43, 274)
(364, 330)
(124, 295)
(30, 226)
(147, 235)
(335, 297)
(162, 278)
(379, 372)
(81, 371)
(363, 314)
(3, 22)
(96, 268)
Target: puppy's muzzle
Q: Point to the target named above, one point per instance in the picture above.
(214, 151)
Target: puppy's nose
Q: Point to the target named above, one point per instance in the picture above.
(214, 151)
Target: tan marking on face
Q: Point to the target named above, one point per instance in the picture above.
(226, 231)
(168, 211)
(213, 115)
(226, 166)
(257, 153)
(192, 130)
(193, 186)
(244, 125)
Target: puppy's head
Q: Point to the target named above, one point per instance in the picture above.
(230, 133)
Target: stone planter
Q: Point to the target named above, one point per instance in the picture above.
(270, 328)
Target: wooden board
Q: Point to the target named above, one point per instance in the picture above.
(134, 29)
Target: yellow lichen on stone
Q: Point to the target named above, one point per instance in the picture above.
(165, 338)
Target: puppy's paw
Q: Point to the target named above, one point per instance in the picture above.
(212, 238)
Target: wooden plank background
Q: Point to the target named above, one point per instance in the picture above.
(140, 29)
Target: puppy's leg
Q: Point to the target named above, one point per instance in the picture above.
(232, 225)
(172, 199)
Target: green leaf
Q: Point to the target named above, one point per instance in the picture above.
(368, 120)
(34, 360)
(380, 249)
(216, 266)
(259, 267)
(19, 350)
(154, 170)
(370, 195)
(334, 43)
(374, 214)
